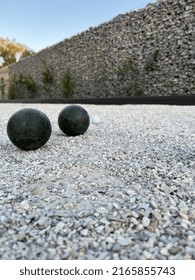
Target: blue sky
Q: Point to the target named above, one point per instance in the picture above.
(42, 23)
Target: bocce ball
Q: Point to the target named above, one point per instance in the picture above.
(29, 129)
(73, 120)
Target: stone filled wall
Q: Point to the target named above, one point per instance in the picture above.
(146, 52)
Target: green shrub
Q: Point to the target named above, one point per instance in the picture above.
(128, 67)
(2, 87)
(67, 84)
(30, 86)
(12, 88)
(151, 64)
(22, 87)
(137, 88)
(47, 76)
(130, 78)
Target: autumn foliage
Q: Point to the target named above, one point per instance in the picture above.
(10, 52)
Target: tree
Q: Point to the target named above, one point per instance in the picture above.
(9, 51)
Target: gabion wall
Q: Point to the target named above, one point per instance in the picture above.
(147, 52)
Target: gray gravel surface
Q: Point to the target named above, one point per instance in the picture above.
(123, 190)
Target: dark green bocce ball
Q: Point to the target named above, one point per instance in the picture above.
(73, 120)
(29, 129)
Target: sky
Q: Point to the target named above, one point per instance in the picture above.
(43, 23)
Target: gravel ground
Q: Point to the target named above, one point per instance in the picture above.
(123, 190)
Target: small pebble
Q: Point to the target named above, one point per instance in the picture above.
(21, 235)
(59, 227)
(84, 232)
(145, 221)
(164, 252)
(116, 247)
